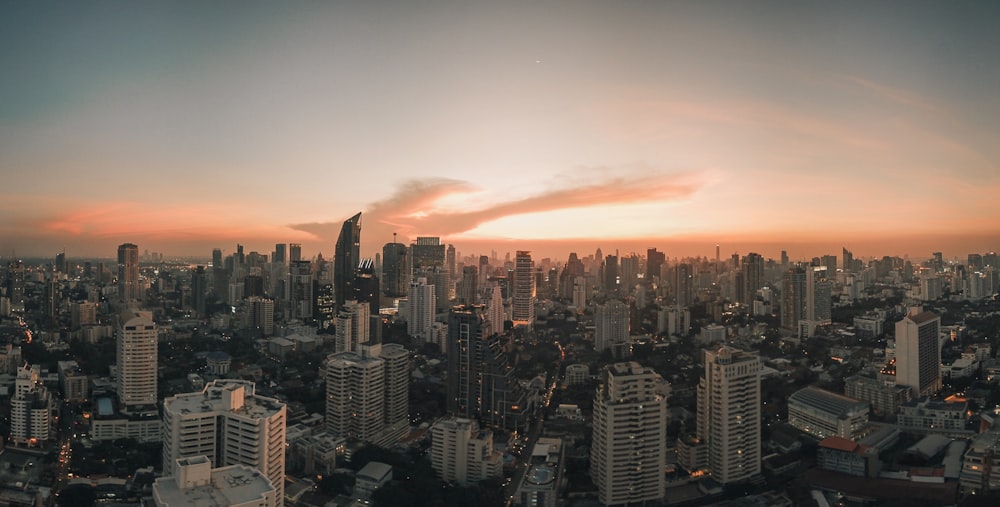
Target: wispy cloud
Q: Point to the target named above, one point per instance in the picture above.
(415, 208)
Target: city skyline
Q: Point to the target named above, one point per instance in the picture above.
(774, 126)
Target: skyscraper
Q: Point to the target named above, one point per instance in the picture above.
(231, 425)
(352, 326)
(523, 304)
(300, 290)
(480, 384)
(793, 298)
(137, 340)
(395, 276)
(367, 393)
(128, 272)
(847, 264)
(729, 414)
(654, 260)
(611, 321)
(683, 287)
(467, 291)
(346, 256)
(420, 310)
(629, 449)
(918, 356)
(753, 277)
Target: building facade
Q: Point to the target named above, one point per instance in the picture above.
(729, 414)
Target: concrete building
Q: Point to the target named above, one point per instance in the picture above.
(845, 456)
(353, 325)
(462, 454)
(373, 476)
(30, 409)
(981, 465)
(128, 273)
(229, 424)
(729, 414)
(927, 416)
(420, 310)
(75, 384)
(822, 413)
(918, 355)
(137, 341)
(542, 481)
(577, 374)
(523, 298)
(628, 454)
(367, 394)
(196, 484)
(885, 396)
(611, 331)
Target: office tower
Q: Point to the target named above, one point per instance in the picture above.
(567, 279)
(830, 263)
(629, 272)
(654, 260)
(366, 286)
(61, 266)
(442, 290)
(467, 291)
(427, 252)
(128, 272)
(493, 302)
(198, 484)
(216, 258)
(753, 277)
(449, 260)
(523, 303)
(346, 256)
(580, 292)
(819, 298)
(260, 315)
(918, 356)
(30, 409)
(793, 298)
(847, 264)
(137, 360)
(683, 286)
(937, 262)
(975, 261)
(611, 321)
(230, 424)
(480, 381)
(300, 290)
(729, 414)
(629, 449)
(294, 252)
(15, 284)
(420, 310)
(395, 276)
(462, 454)
(82, 314)
(199, 290)
(609, 274)
(352, 325)
(280, 253)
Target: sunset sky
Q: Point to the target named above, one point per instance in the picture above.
(547, 126)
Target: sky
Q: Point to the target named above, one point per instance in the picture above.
(546, 126)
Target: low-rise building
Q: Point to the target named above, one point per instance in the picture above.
(197, 484)
(462, 454)
(541, 483)
(845, 456)
(373, 476)
(926, 416)
(884, 395)
(824, 414)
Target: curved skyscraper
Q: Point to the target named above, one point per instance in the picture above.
(346, 256)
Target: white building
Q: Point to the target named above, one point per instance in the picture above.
(612, 325)
(918, 355)
(367, 394)
(628, 454)
(137, 342)
(30, 409)
(229, 424)
(196, 484)
(353, 324)
(523, 294)
(420, 310)
(729, 414)
(462, 454)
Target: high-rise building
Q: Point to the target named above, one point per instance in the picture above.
(462, 454)
(260, 315)
(137, 341)
(611, 321)
(729, 414)
(128, 273)
(467, 290)
(353, 322)
(346, 256)
(493, 301)
(395, 276)
(683, 286)
(819, 300)
(629, 449)
(367, 393)
(918, 356)
(793, 298)
(300, 290)
(30, 409)
(230, 424)
(427, 252)
(199, 290)
(420, 310)
(753, 277)
(610, 275)
(847, 264)
(480, 384)
(654, 260)
(523, 301)
(629, 272)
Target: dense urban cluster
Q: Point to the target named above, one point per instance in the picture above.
(423, 376)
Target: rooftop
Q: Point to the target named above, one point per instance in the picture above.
(827, 401)
(229, 485)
